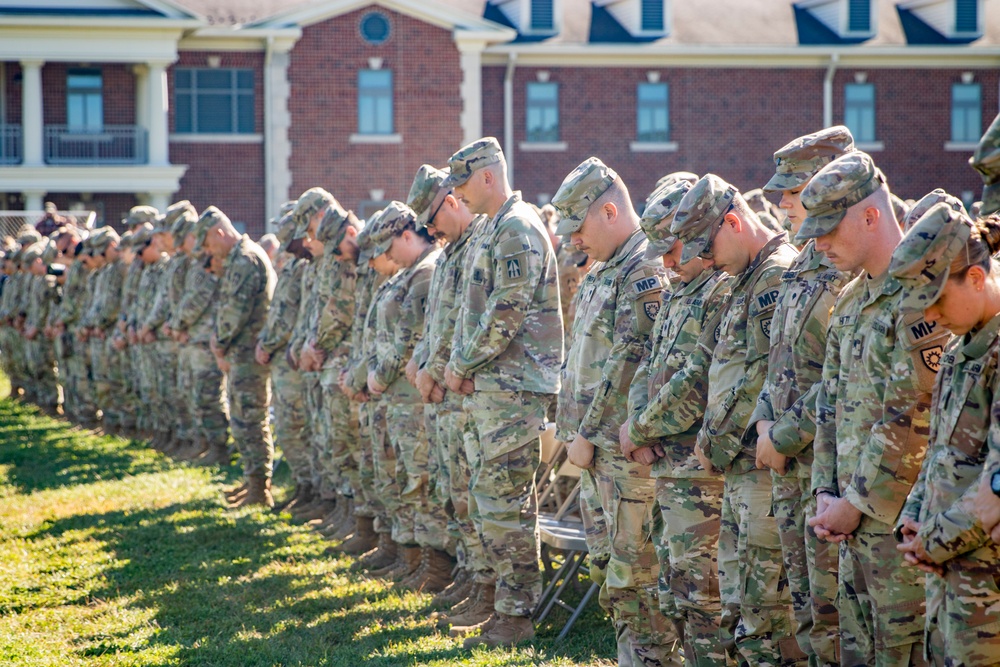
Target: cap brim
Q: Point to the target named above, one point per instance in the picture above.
(814, 227)
(659, 248)
(991, 200)
(567, 225)
(381, 248)
(693, 248)
(454, 180)
(780, 182)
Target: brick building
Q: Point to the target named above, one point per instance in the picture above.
(245, 103)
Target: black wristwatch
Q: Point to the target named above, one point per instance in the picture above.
(995, 483)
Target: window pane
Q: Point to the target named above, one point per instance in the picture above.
(375, 112)
(244, 79)
(542, 112)
(74, 111)
(214, 78)
(541, 92)
(182, 113)
(653, 117)
(244, 114)
(94, 112)
(215, 113)
(182, 78)
(859, 110)
(966, 112)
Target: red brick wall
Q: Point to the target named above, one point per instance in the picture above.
(730, 121)
(12, 92)
(229, 176)
(323, 75)
(118, 84)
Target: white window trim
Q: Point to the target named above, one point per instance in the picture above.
(543, 146)
(216, 138)
(653, 146)
(961, 146)
(871, 146)
(394, 138)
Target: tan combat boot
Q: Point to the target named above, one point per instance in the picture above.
(456, 591)
(406, 564)
(364, 539)
(348, 523)
(477, 613)
(383, 554)
(504, 631)
(258, 493)
(217, 455)
(434, 574)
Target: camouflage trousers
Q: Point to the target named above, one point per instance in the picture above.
(881, 602)
(630, 591)
(128, 397)
(421, 521)
(341, 438)
(595, 528)
(963, 627)
(291, 431)
(44, 380)
(77, 392)
(203, 385)
(140, 374)
(316, 418)
(383, 458)
(249, 386)
(502, 445)
(173, 413)
(756, 621)
(691, 510)
(450, 488)
(370, 415)
(811, 565)
(107, 381)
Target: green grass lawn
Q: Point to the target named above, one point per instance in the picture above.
(111, 554)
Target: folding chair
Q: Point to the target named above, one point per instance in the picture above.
(568, 537)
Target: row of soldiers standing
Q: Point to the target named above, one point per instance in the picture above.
(750, 415)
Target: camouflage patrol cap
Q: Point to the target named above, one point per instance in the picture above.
(142, 236)
(765, 210)
(986, 160)
(428, 182)
(27, 236)
(800, 159)
(140, 214)
(661, 206)
(673, 177)
(178, 219)
(365, 246)
(922, 260)
(331, 228)
(928, 201)
(50, 251)
(581, 188)
(700, 212)
(286, 229)
(210, 217)
(466, 160)
(102, 239)
(310, 201)
(32, 252)
(395, 219)
(838, 186)
(126, 240)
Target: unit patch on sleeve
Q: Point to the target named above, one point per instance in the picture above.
(932, 357)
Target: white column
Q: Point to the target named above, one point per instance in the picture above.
(157, 84)
(159, 200)
(141, 73)
(277, 120)
(31, 114)
(471, 89)
(33, 200)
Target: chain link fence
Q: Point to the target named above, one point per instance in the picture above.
(11, 222)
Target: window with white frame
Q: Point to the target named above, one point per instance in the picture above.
(859, 111)
(375, 106)
(542, 112)
(653, 113)
(84, 100)
(213, 100)
(966, 112)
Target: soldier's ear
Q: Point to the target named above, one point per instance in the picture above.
(734, 221)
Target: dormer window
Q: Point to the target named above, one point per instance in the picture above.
(652, 15)
(967, 17)
(835, 21)
(542, 15)
(941, 21)
(859, 16)
(643, 20)
(528, 17)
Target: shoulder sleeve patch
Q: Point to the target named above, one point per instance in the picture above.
(917, 331)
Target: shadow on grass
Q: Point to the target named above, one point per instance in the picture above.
(228, 588)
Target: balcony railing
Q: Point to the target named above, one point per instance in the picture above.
(10, 144)
(111, 144)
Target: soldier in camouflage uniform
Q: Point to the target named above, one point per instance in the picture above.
(986, 160)
(158, 419)
(101, 318)
(65, 318)
(447, 218)
(505, 359)
(784, 422)
(946, 271)
(290, 429)
(714, 223)
(42, 295)
(618, 302)
(136, 413)
(245, 290)
(419, 523)
(872, 413)
(667, 399)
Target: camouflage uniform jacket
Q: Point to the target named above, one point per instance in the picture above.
(321, 289)
(130, 289)
(741, 341)
(965, 435)
(570, 262)
(358, 377)
(73, 292)
(307, 302)
(509, 335)
(808, 291)
(244, 297)
(103, 312)
(399, 324)
(22, 294)
(9, 297)
(619, 301)
(873, 406)
(145, 295)
(194, 313)
(43, 295)
(284, 310)
(366, 289)
(336, 314)
(434, 349)
(169, 293)
(669, 393)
